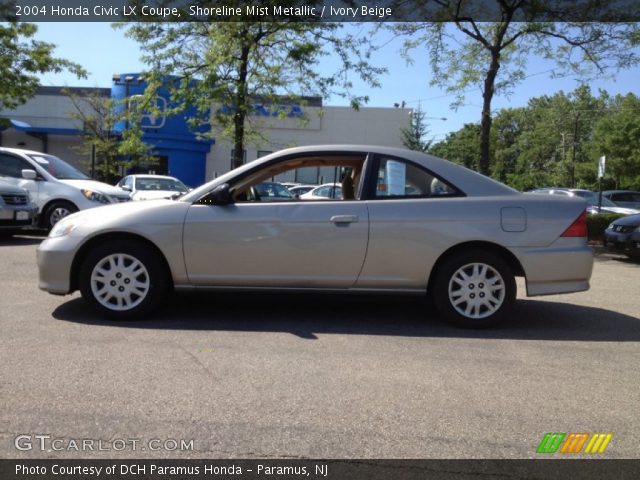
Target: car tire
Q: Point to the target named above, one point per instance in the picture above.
(124, 279)
(474, 289)
(56, 212)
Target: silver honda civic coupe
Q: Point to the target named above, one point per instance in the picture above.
(405, 222)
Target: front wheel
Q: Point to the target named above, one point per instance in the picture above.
(474, 289)
(123, 279)
(56, 212)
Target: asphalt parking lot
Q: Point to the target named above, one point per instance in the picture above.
(314, 376)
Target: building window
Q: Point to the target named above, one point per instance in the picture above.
(264, 153)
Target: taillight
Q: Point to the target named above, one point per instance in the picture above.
(577, 228)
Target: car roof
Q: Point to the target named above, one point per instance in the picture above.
(619, 191)
(328, 184)
(24, 151)
(148, 175)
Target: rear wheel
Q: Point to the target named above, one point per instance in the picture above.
(124, 279)
(56, 212)
(474, 289)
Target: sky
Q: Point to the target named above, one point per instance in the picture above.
(103, 51)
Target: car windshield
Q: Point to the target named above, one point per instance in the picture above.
(160, 184)
(592, 199)
(58, 168)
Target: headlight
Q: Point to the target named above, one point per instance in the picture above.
(63, 227)
(95, 196)
(610, 226)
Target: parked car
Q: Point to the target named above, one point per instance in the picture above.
(301, 189)
(623, 198)
(623, 235)
(56, 187)
(16, 208)
(607, 206)
(271, 192)
(326, 191)
(462, 242)
(151, 187)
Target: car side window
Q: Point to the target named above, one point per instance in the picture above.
(11, 166)
(400, 178)
(331, 178)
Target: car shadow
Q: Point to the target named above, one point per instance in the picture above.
(34, 238)
(306, 315)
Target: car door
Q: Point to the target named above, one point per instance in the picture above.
(407, 207)
(299, 244)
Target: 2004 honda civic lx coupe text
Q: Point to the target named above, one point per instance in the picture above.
(406, 222)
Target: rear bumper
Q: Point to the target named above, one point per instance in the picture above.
(563, 267)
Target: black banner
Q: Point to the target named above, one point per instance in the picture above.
(319, 10)
(318, 469)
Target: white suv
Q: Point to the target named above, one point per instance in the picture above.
(56, 187)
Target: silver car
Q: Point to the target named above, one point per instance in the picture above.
(16, 208)
(407, 222)
(623, 198)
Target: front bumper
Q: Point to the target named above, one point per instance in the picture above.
(55, 258)
(18, 216)
(628, 243)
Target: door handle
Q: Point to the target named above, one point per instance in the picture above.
(344, 218)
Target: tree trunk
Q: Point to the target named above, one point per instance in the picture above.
(241, 109)
(485, 122)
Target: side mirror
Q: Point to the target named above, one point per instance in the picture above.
(126, 188)
(29, 174)
(218, 196)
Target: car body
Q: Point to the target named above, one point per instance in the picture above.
(607, 206)
(152, 187)
(623, 198)
(301, 189)
(16, 208)
(56, 187)
(326, 191)
(623, 235)
(457, 235)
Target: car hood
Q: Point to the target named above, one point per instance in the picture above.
(95, 186)
(153, 194)
(7, 188)
(135, 217)
(632, 220)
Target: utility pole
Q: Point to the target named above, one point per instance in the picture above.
(572, 169)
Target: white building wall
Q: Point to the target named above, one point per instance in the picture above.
(324, 126)
(47, 110)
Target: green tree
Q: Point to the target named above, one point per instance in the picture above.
(461, 146)
(547, 143)
(466, 51)
(617, 135)
(413, 136)
(23, 60)
(234, 65)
